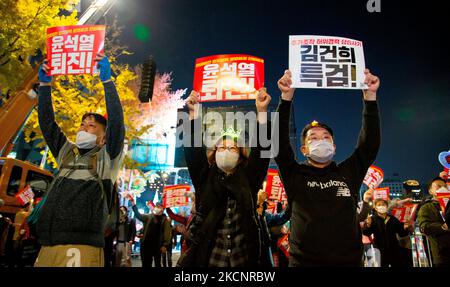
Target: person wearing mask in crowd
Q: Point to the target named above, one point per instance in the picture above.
(184, 221)
(224, 231)
(125, 238)
(73, 218)
(267, 220)
(322, 193)
(385, 228)
(432, 223)
(156, 235)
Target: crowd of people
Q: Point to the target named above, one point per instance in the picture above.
(228, 226)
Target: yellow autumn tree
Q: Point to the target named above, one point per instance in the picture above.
(23, 25)
(73, 96)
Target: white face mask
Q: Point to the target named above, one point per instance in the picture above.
(86, 140)
(442, 189)
(382, 209)
(227, 160)
(321, 151)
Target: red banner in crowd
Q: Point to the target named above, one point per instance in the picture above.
(443, 198)
(71, 50)
(274, 189)
(25, 195)
(228, 77)
(374, 177)
(406, 212)
(283, 244)
(381, 192)
(176, 195)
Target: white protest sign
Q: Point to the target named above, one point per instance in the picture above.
(326, 62)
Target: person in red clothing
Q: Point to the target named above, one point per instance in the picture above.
(184, 220)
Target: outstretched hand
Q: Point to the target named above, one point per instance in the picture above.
(104, 66)
(373, 83)
(192, 103)
(284, 84)
(42, 75)
(262, 100)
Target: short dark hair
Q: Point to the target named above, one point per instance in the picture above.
(314, 124)
(380, 200)
(433, 180)
(98, 118)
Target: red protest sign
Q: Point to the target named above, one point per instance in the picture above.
(374, 177)
(71, 50)
(283, 244)
(25, 195)
(381, 192)
(175, 195)
(405, 213)
(274, 189)
(443, 198)
(228, 77)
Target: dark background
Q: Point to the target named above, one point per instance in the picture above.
(404, 44)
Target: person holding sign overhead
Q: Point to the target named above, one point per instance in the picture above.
(73, 218)
(224, 230)
(322, 193)
(386, 230)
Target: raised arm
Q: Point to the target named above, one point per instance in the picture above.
(137, 214)
(52, 133)
(370, 135)
(286, 158)
(115, 131)
(365, 208)
(176, 217)
(195, 152)
(259, 158)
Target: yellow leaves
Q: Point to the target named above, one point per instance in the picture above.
(23, 26)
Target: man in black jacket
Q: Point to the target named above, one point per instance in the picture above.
(432, 223)
(322, 193)
(156, 236)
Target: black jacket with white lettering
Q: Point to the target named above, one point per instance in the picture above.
(324, 229)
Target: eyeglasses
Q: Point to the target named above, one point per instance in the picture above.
(230, 148)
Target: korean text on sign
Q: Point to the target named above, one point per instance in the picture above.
(25, 195)
(374, 177)
(326, 62)
(274, 189)
(71, 50)
(176, 195)
(382, 192)
(228, 77)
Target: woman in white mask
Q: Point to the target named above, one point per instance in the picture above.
(224, 230)
(385, 229)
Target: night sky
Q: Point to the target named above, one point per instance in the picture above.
(404, 45)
